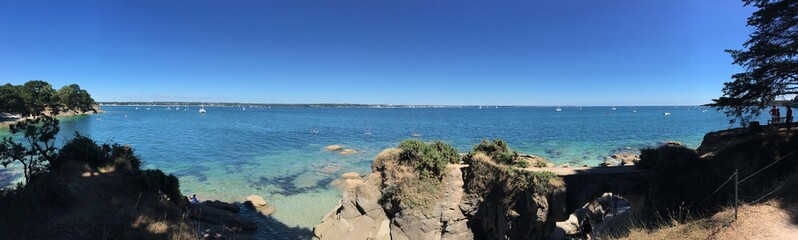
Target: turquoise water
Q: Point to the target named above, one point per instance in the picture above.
(230, 153)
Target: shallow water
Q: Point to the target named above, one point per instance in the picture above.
(229, 153)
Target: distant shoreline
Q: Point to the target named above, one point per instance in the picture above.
(6, 120)
(347, 105)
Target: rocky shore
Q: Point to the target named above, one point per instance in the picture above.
(474, 199)
(480, 198)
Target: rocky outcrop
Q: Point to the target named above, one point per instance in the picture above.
(446, 219)
(621, 159)
(361, 214)
(481, 199)
(504, 203)
(358, 215)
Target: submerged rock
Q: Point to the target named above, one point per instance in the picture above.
(348, 152)
(334, 147)
(260, 204)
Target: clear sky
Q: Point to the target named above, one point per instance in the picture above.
(575, 52)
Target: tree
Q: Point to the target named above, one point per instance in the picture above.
(40, 134)
(10, 100)
(769, 60)
(73, 98)
(38, 96)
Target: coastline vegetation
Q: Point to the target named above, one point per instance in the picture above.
(500, 153)
(416, 169)
(38, 98)
(83, 188)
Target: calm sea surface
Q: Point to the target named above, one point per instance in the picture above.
(229, 153)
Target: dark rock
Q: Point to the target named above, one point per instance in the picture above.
(223, 206)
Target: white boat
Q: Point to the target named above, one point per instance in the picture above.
(634, 110)
(558, 106)
(704, 111)
(368, 132)
(314, 131)
(666, 114)
(613, 109)
(202, 108)
(415, 134)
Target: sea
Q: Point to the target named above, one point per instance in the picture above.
(279, 153)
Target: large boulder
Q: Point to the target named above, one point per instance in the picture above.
(260, 204)
(211, 215)
(256, 201)
(223, 206)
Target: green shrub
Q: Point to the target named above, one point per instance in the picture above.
(124, 157)
(490, 148)
(540, 164)
(168, 185)
(667, 158)
(428, 159)
(81, 149)
(500, 153)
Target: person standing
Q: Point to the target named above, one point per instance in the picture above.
(789, 116)
(774, 117)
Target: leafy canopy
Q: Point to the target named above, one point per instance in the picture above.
(769, 60)
(35, 156)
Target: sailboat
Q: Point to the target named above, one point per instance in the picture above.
(202, 108)
(558, 106)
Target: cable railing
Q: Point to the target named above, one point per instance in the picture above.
(737, 182)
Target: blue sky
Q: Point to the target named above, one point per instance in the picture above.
(624, 52)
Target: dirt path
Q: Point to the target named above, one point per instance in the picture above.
(763, 221)
(585, 170)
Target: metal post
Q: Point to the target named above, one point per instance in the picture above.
(736, 205)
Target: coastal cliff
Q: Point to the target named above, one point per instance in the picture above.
(478, 198)
(487, 196)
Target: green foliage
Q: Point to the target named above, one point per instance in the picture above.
(39, 151)
(499, 152)
(169, 185)
(80, 149)
(429, 159)
(491, 148)
(667, 159)
(85, 150)
(542, 181)
(540, 164)
(10, 99)
(73, 98)
(769, 60)
(38, 98)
